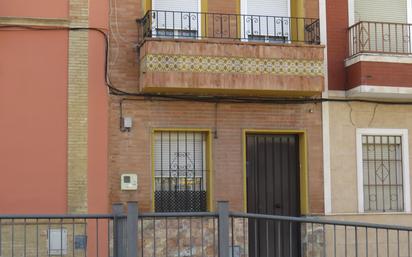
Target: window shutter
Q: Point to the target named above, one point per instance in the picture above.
(267, 20)
(176, 15)
(268, 7)
(176, 5)
(178, 153)
(381, 10)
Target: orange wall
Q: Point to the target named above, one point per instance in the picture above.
(35, 8)
(33, 121)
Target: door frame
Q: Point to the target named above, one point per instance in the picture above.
(303, 163)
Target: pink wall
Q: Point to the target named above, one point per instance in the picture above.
(35, 8)
(33, 118)
(98, 196)
(33, 112)
(98, 131)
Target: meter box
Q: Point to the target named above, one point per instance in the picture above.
(128, 182)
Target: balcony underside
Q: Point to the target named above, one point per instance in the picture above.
(230, 68)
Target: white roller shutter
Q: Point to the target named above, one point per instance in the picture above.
(177, 16)
(268, 7)
(267, 19)
(180, 159)
(381, 10)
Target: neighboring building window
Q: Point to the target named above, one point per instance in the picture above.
(266, 20)
(383, 171)
(180, 171)
(176, 19)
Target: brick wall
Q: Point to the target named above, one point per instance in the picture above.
(379, 74)
(337, 20)
(77, 117)
(131, 151)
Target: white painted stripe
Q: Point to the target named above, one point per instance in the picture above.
(326, 157)
(374, 91)
(325, 114)
(351, 12)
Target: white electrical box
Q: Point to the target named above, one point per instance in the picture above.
(128, 182)
(127, 122)
(57, 241)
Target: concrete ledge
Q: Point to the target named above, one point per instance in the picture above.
(370, 57)
(33, 21)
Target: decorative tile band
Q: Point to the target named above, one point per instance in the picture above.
(217, 64)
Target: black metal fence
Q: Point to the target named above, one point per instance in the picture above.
(221, 233)
(380, 37)
(256, 28)
(56, 235)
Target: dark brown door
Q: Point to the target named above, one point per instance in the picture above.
(273, 188)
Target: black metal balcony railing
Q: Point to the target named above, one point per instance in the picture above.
(256, 28)
(380, 37)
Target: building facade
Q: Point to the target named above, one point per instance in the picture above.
(209, 105)
(367, 173)
(53, 112)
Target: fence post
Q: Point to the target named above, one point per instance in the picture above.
(132, 219)
(117, 210)
(223, 212)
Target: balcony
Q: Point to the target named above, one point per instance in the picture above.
(189, 52)
(380, 38)
(379, 61)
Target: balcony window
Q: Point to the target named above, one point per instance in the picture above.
(266, 20)
(382, 27)
(173, 23)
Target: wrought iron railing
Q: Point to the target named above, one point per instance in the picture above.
(380, 37)
(197, 234)
(256, 28)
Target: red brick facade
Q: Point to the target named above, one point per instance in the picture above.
(379, 74)
(131, 151)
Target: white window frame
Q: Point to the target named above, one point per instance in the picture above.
(405, 160)
(243, 11)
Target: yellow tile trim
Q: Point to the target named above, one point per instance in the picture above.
(34, 21)
(221, 64)
(209, 163)
(303, 173)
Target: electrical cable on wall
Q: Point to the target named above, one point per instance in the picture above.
(197, 98)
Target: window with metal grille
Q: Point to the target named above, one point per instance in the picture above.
(180, 171)
(383, 182)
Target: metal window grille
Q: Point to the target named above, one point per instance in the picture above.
(180, 171)
(382, 173)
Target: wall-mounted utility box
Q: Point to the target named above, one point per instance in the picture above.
(128, 182)
(57, 241)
